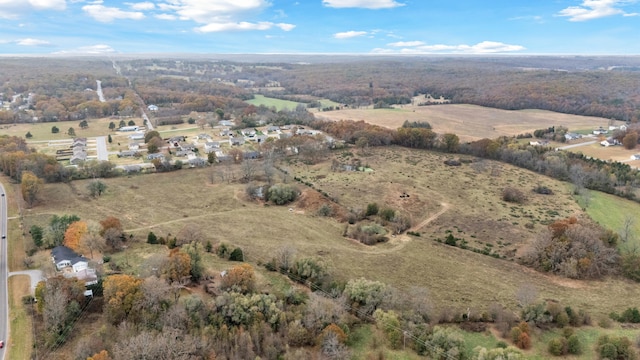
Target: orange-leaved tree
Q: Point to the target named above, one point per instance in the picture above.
(241, 278)
(74, 233)
(121, 293)
(110, 223)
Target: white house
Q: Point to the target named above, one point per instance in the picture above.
(63, 257)
(137, 136)
(635, 157)
(129, 128)
(152, 108)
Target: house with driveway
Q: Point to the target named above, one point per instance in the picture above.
(73, 265)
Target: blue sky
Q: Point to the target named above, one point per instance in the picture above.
(598, 27)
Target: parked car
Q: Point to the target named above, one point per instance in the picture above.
(1, 344)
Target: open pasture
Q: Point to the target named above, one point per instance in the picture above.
(456, 278)
(273, 102)
(469, 122)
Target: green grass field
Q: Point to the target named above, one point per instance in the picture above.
(272, 102)
(611, 212)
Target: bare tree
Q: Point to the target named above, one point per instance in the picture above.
(527, 294)
(93, 241)
(626, 231)
(249, 169)
(190, 233)
(285, 257)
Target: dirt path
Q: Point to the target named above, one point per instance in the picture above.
(431, 218)
(401, 240)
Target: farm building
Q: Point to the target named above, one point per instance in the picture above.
(129, 128)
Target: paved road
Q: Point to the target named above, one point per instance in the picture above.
(577, 145)
(4, 298)
(101, 148)
(99, 91)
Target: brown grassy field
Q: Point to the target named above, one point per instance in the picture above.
(469, 122)
(613, 153)
(456, 278)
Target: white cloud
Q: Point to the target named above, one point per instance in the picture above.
(349, 34)
(166, 17)
(89, 50)
(108, 14)
(32, 42)
(594, 9)
(406, 43)
(221, 15)
(366, 4)
(243, 26)
(484, 47)
(13, 9)
(146, 5)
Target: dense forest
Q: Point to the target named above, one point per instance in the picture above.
(64, 89)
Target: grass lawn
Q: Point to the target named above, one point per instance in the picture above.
(272, 102)
(469, 122)
(19, 344)
(611, 211)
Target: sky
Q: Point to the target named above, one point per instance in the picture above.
(521, 27)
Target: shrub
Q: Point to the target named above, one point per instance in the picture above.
(387, 214)
(513, 195)
(36, 234)
(236, 255)
(557, 346)
(372, 209)
(325, 210)
(574, 346)
(152, 238)
(222, 250)
(541, 189)
(281, 194)
(613, 347)
(524, 341)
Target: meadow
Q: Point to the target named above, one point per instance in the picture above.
(469, 122)
(456, 278)
(273, 102)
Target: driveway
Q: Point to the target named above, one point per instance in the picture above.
(35, 275)
(101, 148)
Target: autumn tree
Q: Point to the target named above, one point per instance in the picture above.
(240, 278)
(102, 355)
(59, 302)
(30, 185)
(177, 267)
(73, 235)
(121, 293)
(630, 140)
(110, 222)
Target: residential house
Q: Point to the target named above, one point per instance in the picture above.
(609, 142)
(272, 128)
(600, 131)
(226, 123)
(134, 146)
(137, 136)
(73, 265)
(226, 132)
(129, 128)
(635, 157)
(248, 132)
(155, 156)
(221, 156)
(572, 136)
(211, 146)
(539, 143)
(236, 141)
(197, 162)
(128, 153)
(63, 257)
(187, 147)
(205, 137)
(152, 108)
(183, 153)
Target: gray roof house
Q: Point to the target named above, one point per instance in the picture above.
(63, 257)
